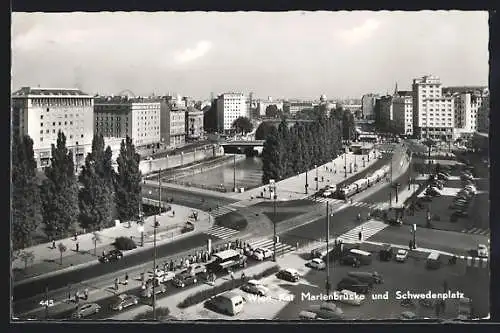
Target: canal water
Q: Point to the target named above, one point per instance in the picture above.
(248, 175)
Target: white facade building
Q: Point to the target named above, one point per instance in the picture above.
(433, 114)
(403, 114)
(120, 116)
(467, 107)
(231, 106)
(42, 112)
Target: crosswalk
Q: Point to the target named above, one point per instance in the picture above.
(221, 232)
(281, 248)
(477, 231)
(223, 210)
(368, 229)
(361, 204)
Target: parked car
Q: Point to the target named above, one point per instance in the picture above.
(356, 286)
(163, 277)
(471, 189)
(113, 255)
(432, 191)
(327, 310)
(437, 184)
(196, 269)
(229, 303)
(350, 297)
(442, 176)
(401, 255)
(184, 279)
(461, 213)
(188, 227)
(386, 253)
(288, 274)
(482, 251)
(255, 287)
(124, 301)
(407, 315)
(262, 254)
(367, 277)
(465, 176)
(316, 263)
(86, 310)
(350, 260)
(148, 292)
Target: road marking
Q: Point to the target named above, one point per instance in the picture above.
(367, 229)
(221, 232)
(222, 211)
(266, 243)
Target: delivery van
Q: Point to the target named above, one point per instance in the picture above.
(433, 260)
(229, 303)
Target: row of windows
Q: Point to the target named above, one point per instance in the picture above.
(60, 123)
(60, 102)
(71, 136)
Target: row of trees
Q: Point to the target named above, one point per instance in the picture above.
(63, 201)
(289, 151)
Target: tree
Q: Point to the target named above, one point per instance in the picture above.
(60, 191)
(272, 111)
(128, 181)
(96, 178)
(242, 125)
(27, 257)
(62, 248)
(270, 157)
(348, 125)
(263, 130)
(26, 200)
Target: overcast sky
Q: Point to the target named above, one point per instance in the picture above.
(290, 54)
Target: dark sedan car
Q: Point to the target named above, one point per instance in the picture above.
(184, 279)
(124, 301)
(113, 255)
(350, 261)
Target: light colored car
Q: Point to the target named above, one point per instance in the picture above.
(482, 251)
(471, 188)
(327, 194)
(196, 269)
(262, 254)
(350, 297)
(148, 292)
(124, 301)
(255, 287)
(163, 277)
(86, 310)
(316, 263)
(327, 310)
(408, 315)
(401, 255)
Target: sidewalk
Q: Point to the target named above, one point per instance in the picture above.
(293, 188)
(47, 259)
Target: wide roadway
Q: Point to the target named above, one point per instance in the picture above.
(28, 290)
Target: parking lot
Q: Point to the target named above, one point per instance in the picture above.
(411, 275)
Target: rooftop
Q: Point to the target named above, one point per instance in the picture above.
(125, 100)
(48, 92)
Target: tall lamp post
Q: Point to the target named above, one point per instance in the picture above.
(234, 173)
(154, 244)
(316, 167)
(345, 163)
(327, 283)
(272, 185)
(307, 184)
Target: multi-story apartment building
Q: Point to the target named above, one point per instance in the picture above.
(384, 113)
(483, 116)
(230, 106)
(121, 116)
(433, 113)
(402, 111)
(194, 123)
(368, 106)
(42, 112)
(176, 123)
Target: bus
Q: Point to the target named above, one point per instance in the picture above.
(226, 260)
(372, 138)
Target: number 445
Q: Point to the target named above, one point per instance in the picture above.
(47, 303)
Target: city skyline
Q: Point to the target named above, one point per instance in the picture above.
(340, 54)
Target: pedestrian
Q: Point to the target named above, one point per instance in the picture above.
(86, 293)
(143, 277)
(53, 244)
(77, 246)
(232, 275)
(117, 282)
(322, 179)
(126, 279)
(243, 276)
(103, 253)
(76, 236)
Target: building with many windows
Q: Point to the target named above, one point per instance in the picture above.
(121, 116)
(368, 106)
(402, 111)
(230, 106)
(175, 118)
(194, 124)
(483, 116)
(42, 112)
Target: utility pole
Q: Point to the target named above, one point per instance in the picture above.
(327, 284)
(234, 172)
(274, 222)
(307, 184)
(316, 176)
(154, 245)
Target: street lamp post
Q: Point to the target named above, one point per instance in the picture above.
(234, 173)
(316, 167)
(307, 184)
(327, 283)
(345, 163)
(275, 197)
(154, 244)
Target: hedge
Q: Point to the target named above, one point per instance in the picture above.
(226, 286)
(162, 313)
(124, 244)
